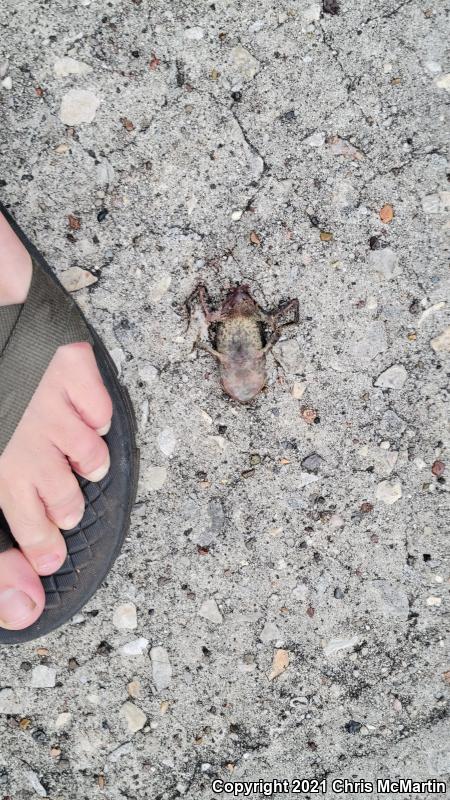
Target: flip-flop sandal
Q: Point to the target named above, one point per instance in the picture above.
(29, 336)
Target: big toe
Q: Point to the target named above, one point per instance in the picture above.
(22, 597)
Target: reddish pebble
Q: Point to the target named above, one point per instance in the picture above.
(438, 468)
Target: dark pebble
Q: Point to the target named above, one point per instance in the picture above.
(353, 726)
(374, 243)
(330, 6)
(102, 214)
(237, 96)
(338, 593)
(312, 462)
(289, 116)
(40, 736)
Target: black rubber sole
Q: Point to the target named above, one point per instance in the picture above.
(95, 543)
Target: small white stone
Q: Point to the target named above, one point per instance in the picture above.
(432, 204)
(135, 648)
(118, 356)
(76, 278)
(259, 24)
(134, 718)
(43, 677)
(384, 262)
(119, 752)
(298, 390)
(269, 633)
(443, 82)
(7, 83)
(77, 619)
(161, 668)
(9, 702)
(433, 601)
(396, 705)
(159, 289)
(167, 442)
(419, 463)
(316, 139)
(148, 373)
(209, 610)
(428, 312)
(338, 644)
(306, 478)
(35, 783)
(392, 378)
(244, 62)
(105, 173)
(63, 720)
(125, 617)
(336, 521)
(389, 492)
(312, 13)
(144, 414)
(70, 66)
(235, 215)
(441, 344)
(3, 68)
(155, 478)
(78, 106)
(194, 34)
(433, 67)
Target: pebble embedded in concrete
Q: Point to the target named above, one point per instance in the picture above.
(270, 633)
(125, 616)
(161, 668)
(66, 65)
(154, 478)
(392, 378)
(243, 61)
(339, 644)
(167, 442)
(78, 107)
(43, 677)
(441, 343)
(209, 610)
(75, 278)
(135, 648)
(133, 717)
(389, 492)
(385, 263)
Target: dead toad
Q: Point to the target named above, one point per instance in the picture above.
(241, 341)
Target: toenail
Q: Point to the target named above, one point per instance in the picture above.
(15, 607)
(47, 564)
(72, 520)
(99, 473)
(103, 431)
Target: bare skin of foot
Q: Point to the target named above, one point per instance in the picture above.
(60, 433)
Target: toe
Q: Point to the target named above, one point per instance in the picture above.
(38, 537)
(86, 389)
(22, 596)
(85, 449)
(60, 492)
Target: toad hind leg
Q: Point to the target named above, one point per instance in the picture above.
(214, 353)
(273, 339)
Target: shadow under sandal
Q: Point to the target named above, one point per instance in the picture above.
(30, 334)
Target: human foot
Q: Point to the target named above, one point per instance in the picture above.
(60, 431)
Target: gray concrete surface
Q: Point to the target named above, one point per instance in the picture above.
(238, 552)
